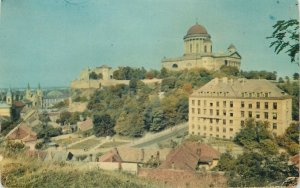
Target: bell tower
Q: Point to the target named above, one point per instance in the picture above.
(9, 97)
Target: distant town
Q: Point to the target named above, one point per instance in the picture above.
(197, 121)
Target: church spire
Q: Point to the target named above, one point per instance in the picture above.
(28, 86)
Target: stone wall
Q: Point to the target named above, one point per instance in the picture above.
(85, 84)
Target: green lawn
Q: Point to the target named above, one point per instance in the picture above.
(67, 141)
(112, 144)
(87, 144)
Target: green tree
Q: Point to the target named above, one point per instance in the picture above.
(252, 134)
(229, 70)
(226, 162)
(286, 36)
(133, 85)
(103, 125)
(296, 76)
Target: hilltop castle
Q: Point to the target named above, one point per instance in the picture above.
(198, 53)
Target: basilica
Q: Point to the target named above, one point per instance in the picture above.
(13, 102)
(198, 53)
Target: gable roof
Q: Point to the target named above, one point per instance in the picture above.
(134, 155)
(21, 132)
(187, 156)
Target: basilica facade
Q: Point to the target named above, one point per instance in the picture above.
(198, 53)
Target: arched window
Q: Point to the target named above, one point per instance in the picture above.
(226, 62)
(175, 66)
(205, 49)
(191, 48)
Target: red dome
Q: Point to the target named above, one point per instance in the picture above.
(197, 29)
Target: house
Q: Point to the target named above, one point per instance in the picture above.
(59, 156)
(22, 133)
(191, 156)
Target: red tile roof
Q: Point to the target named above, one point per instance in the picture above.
(22, 132)
(188, 155)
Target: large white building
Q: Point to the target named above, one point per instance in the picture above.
(198, 53)
(221, 107)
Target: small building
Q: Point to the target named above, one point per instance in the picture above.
(191, 156)
(134, 155)
(59, 156)
(22, 133)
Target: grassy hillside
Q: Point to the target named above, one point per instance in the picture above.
(32, 173)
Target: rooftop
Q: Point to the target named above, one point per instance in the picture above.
(240, 87)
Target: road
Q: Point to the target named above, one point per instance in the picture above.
(164, 135)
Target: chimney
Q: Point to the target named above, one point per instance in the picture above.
(142, 154)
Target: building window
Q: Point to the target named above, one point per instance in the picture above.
(242, 123)
(275, 105)
(198, 127)
(204, 102)
(191, 48)
(250, 106)
(250, 114)
(224, 121)
(217, 112)
(204, 111)
(231, 104)
(266, 115)
(217, 136)
(199, 102)
(205, 49)
(257, 115)
(224, 130)
(193, 110)
(242, 104)
(193, 132)
(224, 112)
(217, 129)
(231, 121)
(217, 121)
(231, 129)
(231, 114)
(193, 102)
(266, 105)
(199, 110)
(242, 114)
(266, 94)
(274, 126)
(193, 126)
(274, 115)
(210, 128)
(211, 112)
(218, 104)
(175, 66)
(224, 104)
(211, 104)
(210, 120)
(258, 105)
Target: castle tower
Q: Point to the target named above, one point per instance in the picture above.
(9, 97)
(197, 41)
(39, 91)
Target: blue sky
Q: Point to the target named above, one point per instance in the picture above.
(51, 41)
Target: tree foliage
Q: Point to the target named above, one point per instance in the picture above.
(103, 125)
(286, 36)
